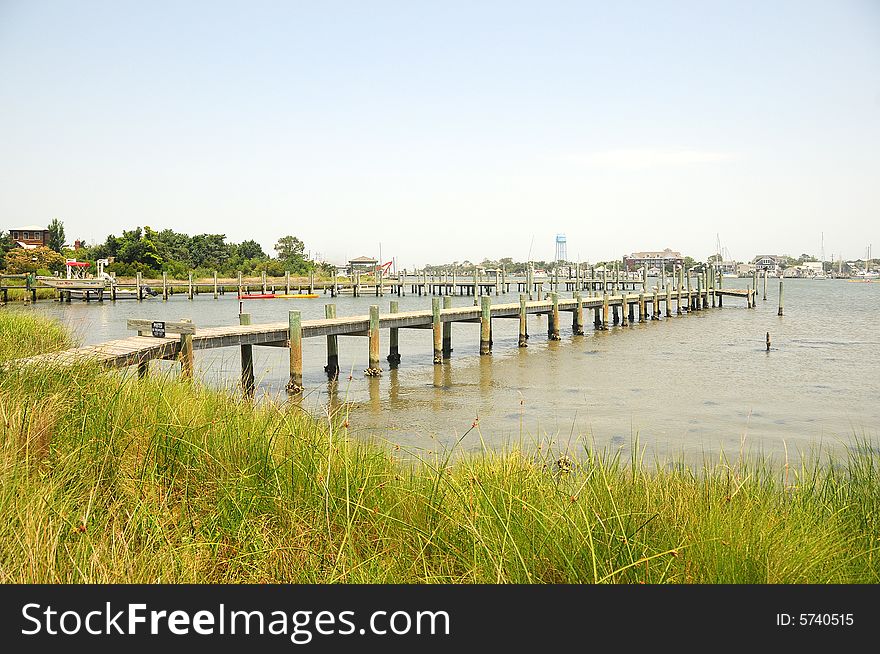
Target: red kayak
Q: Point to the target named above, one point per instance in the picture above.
(257, 296)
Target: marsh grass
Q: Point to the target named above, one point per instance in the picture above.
(104, 478)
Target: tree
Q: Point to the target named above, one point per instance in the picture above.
(21, 260)
(290, 248)
(250, 250)
(56, 235)
(6, 244)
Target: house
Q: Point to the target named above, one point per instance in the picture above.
(727, 267)
(652, 259)
(745, 270)
(362, 264)
(30, 236)
(768, 262)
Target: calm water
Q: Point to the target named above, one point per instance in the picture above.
(691, 385)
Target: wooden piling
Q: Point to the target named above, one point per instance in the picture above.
(577, 316)
(713, 273)
(216, 290)
(164, 287)
(240, 287)
(624, 310)
(768, 341)
(332, 367)
(641, 307)
(190, 286)
(294, 333)
(263, 280)
(655, 313)
(523, 321)
(604, 310)
(187, 361)
(287, 282)
(668, 301)
(437, 329)
(138, 287)
(765, 286)
(720, 287)
(780, 298)
(485, 325)
(447, 329)
(247, 360)
(373, 369)
(553, 322)
(311, 281)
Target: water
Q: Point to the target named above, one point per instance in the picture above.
(692, 385)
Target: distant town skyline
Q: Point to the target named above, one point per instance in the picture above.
(449, 131)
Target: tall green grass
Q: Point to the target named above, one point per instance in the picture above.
(26, 334)
(104, 478)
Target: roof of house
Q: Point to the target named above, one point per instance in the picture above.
(28, 228)
(363, 260)
(654, 254)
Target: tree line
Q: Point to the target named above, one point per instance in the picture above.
(151, 252)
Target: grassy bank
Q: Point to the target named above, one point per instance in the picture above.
(107, 479)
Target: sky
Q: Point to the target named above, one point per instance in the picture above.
(431, 132)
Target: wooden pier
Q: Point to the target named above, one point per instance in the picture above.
(178, 341)
(449, 282)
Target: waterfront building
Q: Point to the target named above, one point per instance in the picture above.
(653, 259)
(30, 236)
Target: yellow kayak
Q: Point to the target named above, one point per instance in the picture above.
(291, 296)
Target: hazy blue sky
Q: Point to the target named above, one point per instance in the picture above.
(448, 130)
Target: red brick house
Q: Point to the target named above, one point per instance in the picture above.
(31, 236)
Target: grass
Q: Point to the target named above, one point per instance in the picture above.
(23, 333)
(104, 478)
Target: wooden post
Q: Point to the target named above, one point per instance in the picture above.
(447, 329)
(668, 301)
(187, 362)
(553, 322)
(720, 280)
(699, 303)
(641, 307)
(523, 321)
(216, 291)
(476, 288)
(644, 278)
(332, 367)
(713, 275)
(485, 325)
(690, 297)
(239, 283)
(624, 309)
(247, 360)
(577, 318)
(437, 328)
(655, 314)
(190, 286)
(374, 370)
(765, 285)
(137, 284)
(263, 280)
(164, 287)
(605, 310)
(780, 298)
(768, 341)
(530, 281)
(294, 332)
(311, 281)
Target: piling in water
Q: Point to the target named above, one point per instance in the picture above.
(523, 323)
(485, 325)
(437, 329)
(332, 367)
(373, 369)
(447, 329)
(247, 360)
(294, 331)
(553, 323)
(780, 298)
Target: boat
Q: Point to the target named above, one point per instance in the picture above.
(73, 284)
